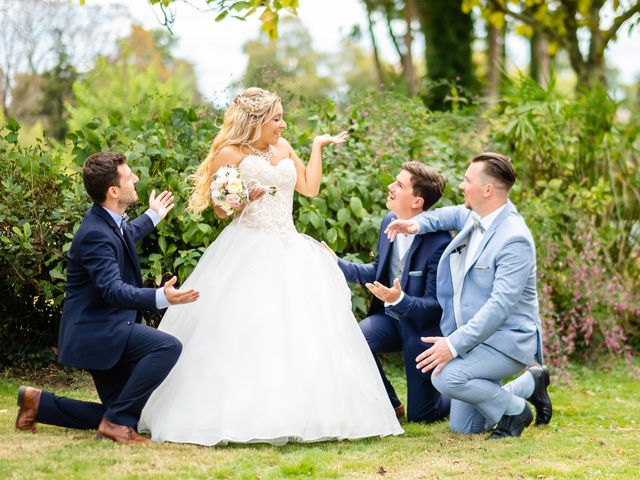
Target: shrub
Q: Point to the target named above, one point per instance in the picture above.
(577, 189)
(40, 205)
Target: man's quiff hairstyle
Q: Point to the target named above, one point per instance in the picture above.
(427, 183)
(100, 171)
(498, 167)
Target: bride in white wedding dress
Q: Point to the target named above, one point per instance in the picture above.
(271, 351)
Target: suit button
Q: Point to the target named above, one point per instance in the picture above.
(128, 323)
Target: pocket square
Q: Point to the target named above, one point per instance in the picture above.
(416, 273)
(482, 267)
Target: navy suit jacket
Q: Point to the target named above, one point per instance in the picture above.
(419, 309)
(104, 297)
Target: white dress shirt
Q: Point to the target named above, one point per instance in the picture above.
(402, 243)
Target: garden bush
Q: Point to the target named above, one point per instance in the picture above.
(577, 189)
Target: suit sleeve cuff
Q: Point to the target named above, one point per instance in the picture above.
(387, 304)
(155, 218)
(422, 229)
(161, 299)
(451, 349)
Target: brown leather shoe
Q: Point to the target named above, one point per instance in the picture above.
(399, 411)
(120, 433)
(29, 403)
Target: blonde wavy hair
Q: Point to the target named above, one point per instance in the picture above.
(242, 124)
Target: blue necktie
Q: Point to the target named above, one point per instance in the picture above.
(123, 223)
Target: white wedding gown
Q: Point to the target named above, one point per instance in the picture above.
(271, 350)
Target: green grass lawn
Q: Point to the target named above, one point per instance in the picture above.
(595, 433)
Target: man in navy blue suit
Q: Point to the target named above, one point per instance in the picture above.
(402, 279)
(100, 329)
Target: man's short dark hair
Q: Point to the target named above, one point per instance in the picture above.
(100, 171)
(427, 183)
(498, 167)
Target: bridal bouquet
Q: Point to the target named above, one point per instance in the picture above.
(229, 191)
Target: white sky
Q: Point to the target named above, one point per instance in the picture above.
(216, 48)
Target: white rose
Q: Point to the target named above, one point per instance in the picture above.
(224, 205)
(234, 186)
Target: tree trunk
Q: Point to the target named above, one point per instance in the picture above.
(4, 91)
(448, 33)
(407, 61)
(374, 46)
(540, 59)
(496, 61)
(404, 50)
(595, 60)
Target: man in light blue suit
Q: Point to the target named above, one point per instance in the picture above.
(486, 285)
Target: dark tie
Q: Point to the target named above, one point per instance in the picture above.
(477, 224)
(123, 223)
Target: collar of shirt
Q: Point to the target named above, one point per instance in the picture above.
(487, 220)
(116, 217)
(403, 241)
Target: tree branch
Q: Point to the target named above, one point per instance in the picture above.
(392, 35)
(529, 20)
(517, 15)
(619, 21)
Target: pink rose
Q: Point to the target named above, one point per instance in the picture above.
(234, 200)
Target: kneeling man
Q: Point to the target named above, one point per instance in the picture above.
(487, 289)
(402, 279)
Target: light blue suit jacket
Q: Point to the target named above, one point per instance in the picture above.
(499, 300)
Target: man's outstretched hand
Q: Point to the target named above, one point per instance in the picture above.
(401, 226)
(161, 204)
(386, 294)
(177, 297)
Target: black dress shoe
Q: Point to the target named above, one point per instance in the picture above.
(512, 425)
(540, 398)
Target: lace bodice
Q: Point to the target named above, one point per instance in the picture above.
(271, 213)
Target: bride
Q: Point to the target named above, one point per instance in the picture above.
(271, 351)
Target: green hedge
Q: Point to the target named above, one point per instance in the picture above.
(43, 200)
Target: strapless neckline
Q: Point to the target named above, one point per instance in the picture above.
(267, 162)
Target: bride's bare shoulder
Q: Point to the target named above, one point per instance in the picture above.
(283, 148)
(228, 155)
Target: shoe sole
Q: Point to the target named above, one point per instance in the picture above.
(547, 381)
(22, 391)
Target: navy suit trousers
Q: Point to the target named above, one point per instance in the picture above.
(385, 334)
(124, 389)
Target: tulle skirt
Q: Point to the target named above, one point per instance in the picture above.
(271, 350)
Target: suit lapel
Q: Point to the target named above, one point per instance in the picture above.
(131, 247)
(417, 241)
(383, 254)
(460, 240)
(489, 233)
(128, 243)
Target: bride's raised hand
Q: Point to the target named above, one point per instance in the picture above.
(327, 139)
